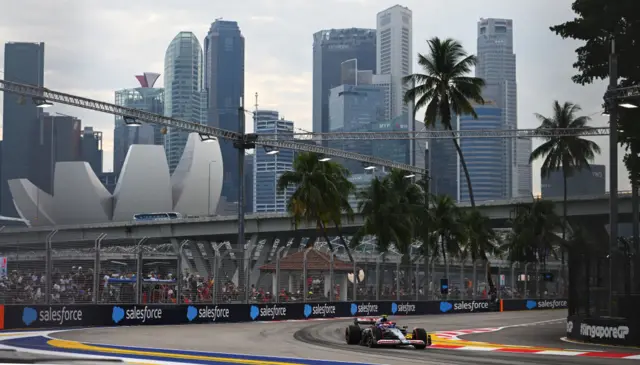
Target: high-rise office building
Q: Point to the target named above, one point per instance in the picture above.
(394, 57)
(147, 98)
(331, 48)
(269, 166)
(91, 149)
(355, 108)
(184, 95)
(59, 141)
(585, 182)
(393, 150)
(443, 163)
(484, 156)
(524, 174)
(224, 84)
(22, 119)
(497, 66)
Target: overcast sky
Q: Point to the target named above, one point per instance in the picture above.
(94, 47)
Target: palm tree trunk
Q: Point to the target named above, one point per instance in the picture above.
(492, 285)
(446, 264)
(466, 172)
(324, 234)
(344, 243)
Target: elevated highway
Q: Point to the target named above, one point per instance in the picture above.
(277, 225)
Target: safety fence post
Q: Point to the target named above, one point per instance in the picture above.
(96, 268)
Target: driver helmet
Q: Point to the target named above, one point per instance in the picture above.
(384, 318)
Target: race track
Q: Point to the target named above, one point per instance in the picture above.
(324, 339)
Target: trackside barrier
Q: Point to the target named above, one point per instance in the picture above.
(608, 331)
(65, 316)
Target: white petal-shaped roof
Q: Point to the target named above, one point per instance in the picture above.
(144, 186)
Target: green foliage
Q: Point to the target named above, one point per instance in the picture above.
(596, 22)
(444, 86)
(321, 193)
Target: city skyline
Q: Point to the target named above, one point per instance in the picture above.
(283, 77)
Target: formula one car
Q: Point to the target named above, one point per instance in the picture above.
(379, 332)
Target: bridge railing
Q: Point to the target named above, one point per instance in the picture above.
(140, 272)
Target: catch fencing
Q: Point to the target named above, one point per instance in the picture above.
(144, 272)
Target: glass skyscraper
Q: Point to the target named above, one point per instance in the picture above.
(22, 121)
(146, 98)
(331, 48)
(485, 157)
(268, 168)
(355, 108)
(443, 163)
(497, 66)
(224, 83)
(184, 95)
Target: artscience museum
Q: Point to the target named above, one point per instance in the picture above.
(144, 186)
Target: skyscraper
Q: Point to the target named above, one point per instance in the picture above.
(524, 170)
(443, 163)
(146, 98)
(497, 66)
(394, 57)
(184, 96)
(224, 84)
(584, 182)
(484, 156)
(268, 167)
(22, 119)
(355, 108)
(330, 48)
(91, 149)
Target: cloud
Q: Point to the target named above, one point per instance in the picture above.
(94, 48)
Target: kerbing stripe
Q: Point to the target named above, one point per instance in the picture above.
(560, 353)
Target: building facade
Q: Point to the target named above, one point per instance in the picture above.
(584, 182)
(525, 170)
(361, 183)
(269, 166)
(355, 108)
(22, 119)
(224, 84)
(497, 66)
(184, 95)
(443, 164)
(485, 157)
(331, 47)
(91, 149)
(393, 150)
(394, 57)
(147, 98)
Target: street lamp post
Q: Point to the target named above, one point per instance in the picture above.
(613, 170)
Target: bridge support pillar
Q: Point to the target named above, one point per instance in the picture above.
(198, 259)
(186, 264)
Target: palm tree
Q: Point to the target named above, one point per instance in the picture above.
(445, 224)
(566, 153)
(321, 195)
(444, 87)
(481, 241)
(533, 236)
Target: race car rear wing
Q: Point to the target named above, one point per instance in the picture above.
(365, 320)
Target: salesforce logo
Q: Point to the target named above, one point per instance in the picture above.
(51, 315)
(364, 309)
(142, 314)
(531, 304)
(319, 310)
(445, 307)
(208, 313)
(267, 312)
(463, 306)
(402, 308)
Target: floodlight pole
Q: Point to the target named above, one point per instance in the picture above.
(613, 170)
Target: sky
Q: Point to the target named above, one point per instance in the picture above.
(94, 47)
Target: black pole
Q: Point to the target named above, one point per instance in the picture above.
(613, 170)
(241, 238)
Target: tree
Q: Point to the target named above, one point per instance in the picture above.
(445, 224)
(444, 87)
(321, 195)
(481, 241)
(565, 153)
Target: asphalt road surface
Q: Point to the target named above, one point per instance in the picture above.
(324, 339)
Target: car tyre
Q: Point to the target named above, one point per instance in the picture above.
(376, 334)
(353, 335)
(421, 334)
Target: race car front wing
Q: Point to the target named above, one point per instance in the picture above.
(400, 342)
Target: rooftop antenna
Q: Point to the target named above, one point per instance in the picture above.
(256, 104)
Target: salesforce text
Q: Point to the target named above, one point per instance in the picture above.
(470, 306)
(323, 310)
(144, 313)
(60, 316)
(213, 313)
(273, 312)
